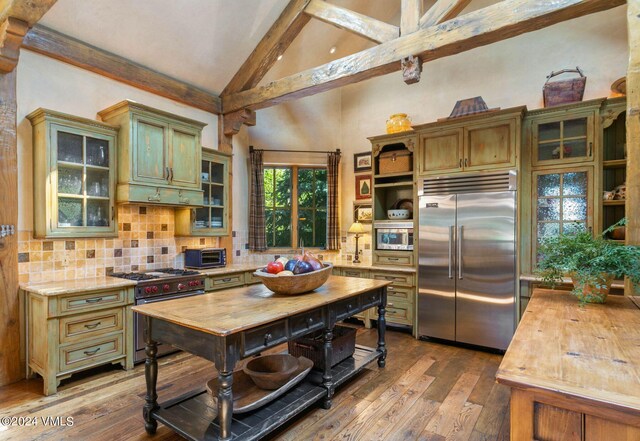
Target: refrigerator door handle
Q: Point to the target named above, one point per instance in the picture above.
(459, 244)
(451, 227)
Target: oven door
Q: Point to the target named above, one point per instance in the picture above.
(212, 258)
(138, 326)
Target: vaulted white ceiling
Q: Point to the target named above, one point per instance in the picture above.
(204, 42)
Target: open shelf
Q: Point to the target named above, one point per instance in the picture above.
(394, 184)
(408, 175)
(614, 163)
(193, 415)
(614, 202)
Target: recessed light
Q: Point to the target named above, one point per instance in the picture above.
(279, 57)
(332, 50)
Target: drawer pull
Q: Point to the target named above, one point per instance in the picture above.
(94, 352)
(389, 304)
(390, 288)
(391, 311)
(93, 326)
(267, 338)
(94, 300)
(349, 306)
(393, 258)
(309, 321)
(228, 279)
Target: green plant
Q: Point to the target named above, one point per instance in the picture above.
(592, 261)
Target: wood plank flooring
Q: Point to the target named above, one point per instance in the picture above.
(428, 391)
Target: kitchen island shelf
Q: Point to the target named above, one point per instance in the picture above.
(193, 415)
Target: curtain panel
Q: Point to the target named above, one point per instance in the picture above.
(333, 220)
(257, 232)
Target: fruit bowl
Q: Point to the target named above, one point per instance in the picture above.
(271, 371)
(296, 284)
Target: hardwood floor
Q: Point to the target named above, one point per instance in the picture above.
(428, 391)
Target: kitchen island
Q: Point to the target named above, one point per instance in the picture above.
(229, 325)
(574, 371)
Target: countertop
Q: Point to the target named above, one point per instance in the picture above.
(233, 310)
(589, 352)
(76, 285)
(618, 284)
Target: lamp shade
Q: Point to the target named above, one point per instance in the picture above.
(356, 228)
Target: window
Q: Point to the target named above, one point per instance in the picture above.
(295, 206)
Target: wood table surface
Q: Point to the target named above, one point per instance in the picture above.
(590, 352)
(233, 310)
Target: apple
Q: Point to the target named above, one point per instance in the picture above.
(274, 267)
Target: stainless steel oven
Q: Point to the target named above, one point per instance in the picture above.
(138, 325)
(394, 235)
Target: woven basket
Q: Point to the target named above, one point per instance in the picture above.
(312, 346)
(398, 161)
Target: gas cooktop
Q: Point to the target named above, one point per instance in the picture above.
(156, 274)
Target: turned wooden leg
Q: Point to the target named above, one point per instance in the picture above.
(327, 377)
(382, 326)
(225, 404)
(151, 377)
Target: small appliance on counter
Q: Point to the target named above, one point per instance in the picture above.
(205, 258)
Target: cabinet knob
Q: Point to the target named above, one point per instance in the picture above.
(267, 338)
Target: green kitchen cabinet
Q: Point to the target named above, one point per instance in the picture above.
(212, 219)
(74, 175)
(160, 155)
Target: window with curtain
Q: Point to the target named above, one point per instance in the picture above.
(295, 206)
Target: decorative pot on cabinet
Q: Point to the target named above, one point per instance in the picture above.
(398, 122)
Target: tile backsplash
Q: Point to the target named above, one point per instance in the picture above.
(145, 241)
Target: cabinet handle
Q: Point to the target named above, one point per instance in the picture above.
(155, 197)
(309, 321)
(94, 300)
(92, 352)
(93, 326)
(113, 212)
(590, 148)
(460, 162)
(171, 173)
(168, 174)
(228, 279)
(394, 259)
(389, 304)
(465, 162)
(390, 288)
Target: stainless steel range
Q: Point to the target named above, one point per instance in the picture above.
(156, 286)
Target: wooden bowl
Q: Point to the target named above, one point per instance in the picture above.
(271, 371)
(295, 284)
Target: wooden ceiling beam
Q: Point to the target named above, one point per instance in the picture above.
(274, 43)
(442, 11)
(497, 22)
(410, 12)
(29, 11)
(359, 24)
(61, 47)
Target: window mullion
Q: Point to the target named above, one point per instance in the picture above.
(294, 206)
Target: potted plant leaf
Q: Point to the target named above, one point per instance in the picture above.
(592, 262)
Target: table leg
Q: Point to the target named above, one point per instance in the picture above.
(382, 326)
(327, 377)
(225, 404)
(151, 376)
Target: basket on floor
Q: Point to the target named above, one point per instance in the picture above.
(312, 346)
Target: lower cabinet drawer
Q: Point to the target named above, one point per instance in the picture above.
(402, 293)
(303, 323)
(250, 279)
(259, 339)
(91, 352)
(399, 312)
(225, 281)
(90, 302)
(370, 299)
(396, 277)
(393, 258)
(346, 308)
(90, 325)
(350, 272)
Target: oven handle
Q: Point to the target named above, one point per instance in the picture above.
(172, 297)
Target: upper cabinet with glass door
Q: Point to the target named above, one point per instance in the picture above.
(74, 176)
(564, 134)
(212, 219)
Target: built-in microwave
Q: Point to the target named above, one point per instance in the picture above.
(394, 236)
(205, 257)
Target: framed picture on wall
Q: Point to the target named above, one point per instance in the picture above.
(362, 213)
(363, 187)
(362, 162)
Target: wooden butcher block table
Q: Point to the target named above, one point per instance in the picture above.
(574, 371)
(229, 325)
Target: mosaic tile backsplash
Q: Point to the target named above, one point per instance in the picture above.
(145, 241)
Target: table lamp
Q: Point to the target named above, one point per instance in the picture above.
(357, 229)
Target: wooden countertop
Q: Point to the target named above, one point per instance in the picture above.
(76, 285)
(590, 352)
(232, 310)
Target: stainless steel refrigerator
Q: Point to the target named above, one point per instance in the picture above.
(467, 259)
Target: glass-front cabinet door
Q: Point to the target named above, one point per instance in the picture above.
(561, 204)
(212, 219)
(74, 176)
(562, 141)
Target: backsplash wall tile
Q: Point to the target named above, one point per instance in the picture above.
(145, 241)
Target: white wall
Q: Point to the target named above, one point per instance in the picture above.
(506, 74)
(44, 82)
